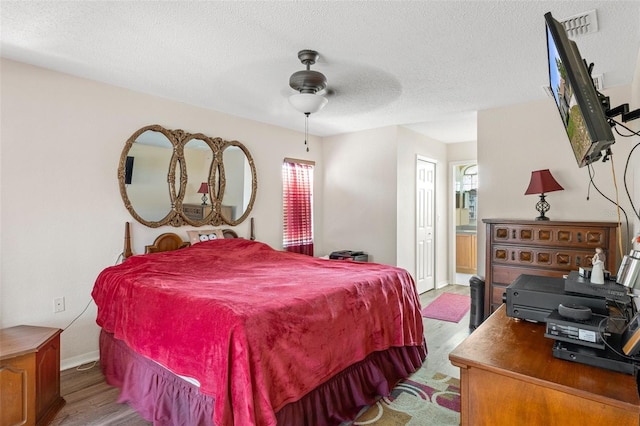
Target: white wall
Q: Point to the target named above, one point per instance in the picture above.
(513, 141)
(359, 210)
(462, 151)
(369, 194)
(62, 218)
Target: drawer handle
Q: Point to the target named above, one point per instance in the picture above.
(577, 260)
(513, 255)
(513, 234)
(579, 237)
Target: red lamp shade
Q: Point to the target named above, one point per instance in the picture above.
(204, 188)
(542, 181)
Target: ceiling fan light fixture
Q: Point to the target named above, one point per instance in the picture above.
(307, 103)
(307, 83)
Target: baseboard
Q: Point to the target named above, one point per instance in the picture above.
(442, 284)
(75, 361)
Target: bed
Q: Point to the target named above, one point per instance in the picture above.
(233, 332)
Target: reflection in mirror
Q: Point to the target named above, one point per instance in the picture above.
(239, 183)
(197, 202)
(148, 191)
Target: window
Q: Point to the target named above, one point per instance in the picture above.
(470, 178)
(297, 206)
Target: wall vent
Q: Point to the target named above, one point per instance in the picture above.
(584, 23)
(598, 81)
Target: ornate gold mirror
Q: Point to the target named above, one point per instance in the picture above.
(170, 177)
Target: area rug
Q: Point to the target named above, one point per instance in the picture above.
(422, 399)
(448, 307)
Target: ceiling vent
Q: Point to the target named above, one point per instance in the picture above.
(584, 23)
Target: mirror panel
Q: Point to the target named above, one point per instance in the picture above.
(197, 202)
(240, 183)
(145, 165)
(162, 172)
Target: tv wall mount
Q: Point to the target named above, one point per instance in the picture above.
(621, 110)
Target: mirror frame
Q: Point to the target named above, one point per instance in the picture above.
(176, 216)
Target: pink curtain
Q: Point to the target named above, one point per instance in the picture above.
(297, 198)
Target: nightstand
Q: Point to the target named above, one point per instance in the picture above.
(29, 375)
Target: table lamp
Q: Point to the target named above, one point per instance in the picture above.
(204, 190)
(542, 181)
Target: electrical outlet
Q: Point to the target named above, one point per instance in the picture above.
(58, 304)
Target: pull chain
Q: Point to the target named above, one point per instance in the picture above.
(306, 130)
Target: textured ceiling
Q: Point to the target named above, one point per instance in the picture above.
(429, 65)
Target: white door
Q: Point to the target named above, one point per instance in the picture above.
(425, 224)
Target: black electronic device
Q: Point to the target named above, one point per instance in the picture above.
(581, 107)
(574, 283)
(589, 332)
(533, 298)
(356, 256)
(603, 358)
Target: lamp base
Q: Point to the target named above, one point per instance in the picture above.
(542, 206)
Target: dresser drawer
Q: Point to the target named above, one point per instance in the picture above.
(562, 258)
(551, 235)
(505, 275)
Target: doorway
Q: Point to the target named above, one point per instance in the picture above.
(465, 208)
(425, 224)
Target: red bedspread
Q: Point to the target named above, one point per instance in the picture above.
(258, 328)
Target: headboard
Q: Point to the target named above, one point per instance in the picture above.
(164, 242)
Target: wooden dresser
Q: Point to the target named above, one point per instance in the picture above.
(196, 211)
(546, 248)
(509, 376)
(29, 375)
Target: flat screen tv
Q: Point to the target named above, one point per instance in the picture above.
(582, 113)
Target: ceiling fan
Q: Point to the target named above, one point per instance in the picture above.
(308, 83)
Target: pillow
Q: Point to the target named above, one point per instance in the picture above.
(204, 235)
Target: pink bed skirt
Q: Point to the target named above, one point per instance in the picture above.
(165, 399)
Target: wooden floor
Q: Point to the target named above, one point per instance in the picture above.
(91, 401)
(443, 336)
